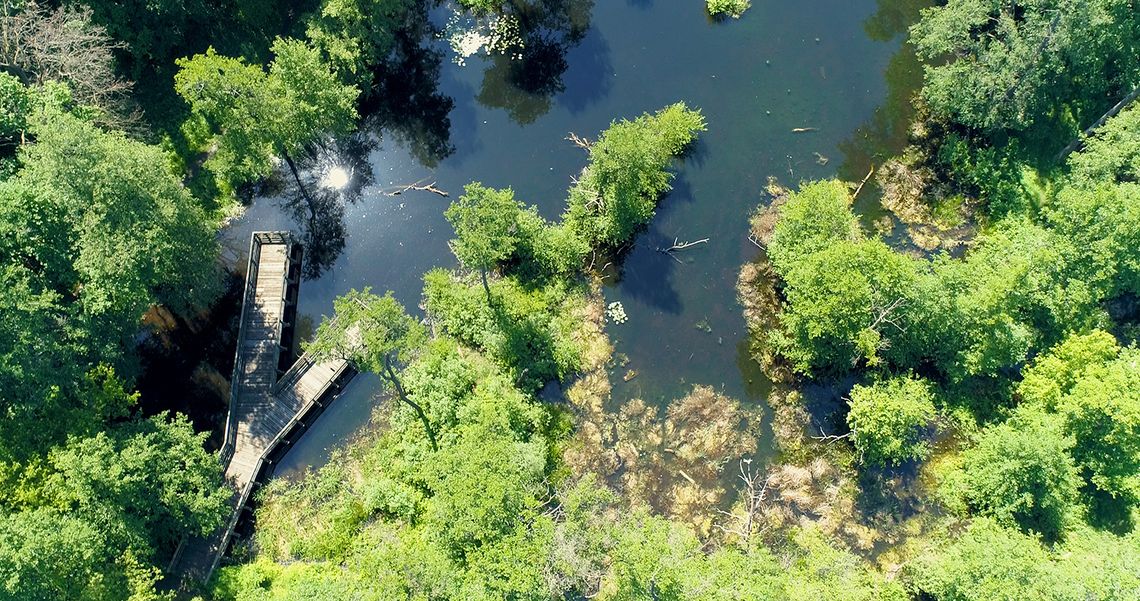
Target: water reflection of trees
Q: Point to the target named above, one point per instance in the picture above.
(404, 100)
(526, 68)
(319, 207)
(885, 133)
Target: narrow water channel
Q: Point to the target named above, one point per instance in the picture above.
(834, 67)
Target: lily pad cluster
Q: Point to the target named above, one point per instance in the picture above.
(616, 313)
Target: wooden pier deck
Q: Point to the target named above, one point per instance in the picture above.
(267, 403)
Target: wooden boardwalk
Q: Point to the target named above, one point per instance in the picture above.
(267, 404)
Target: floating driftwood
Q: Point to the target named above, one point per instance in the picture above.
(678, 246)
(428, 188)
(579, 141)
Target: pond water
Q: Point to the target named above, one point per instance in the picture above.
(837, 67)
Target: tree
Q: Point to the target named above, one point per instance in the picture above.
(93, 231)
(1008, 58)
(48, 556)
(253, 115)
(136, 232)
(1112, 153)
(486, 222)
(988, 562)
(814, 217)
(1012, 295)
(91, 518)
(1101, 226)
(377, 334)
(39, 44)
(15, 103)
(852, 302)
(617, 193)
(146, 482)
(481, 488)
(651, 559)
(888, 419)
(1020, 474)
(1102, 413)
(357, 35)
(1053, 374)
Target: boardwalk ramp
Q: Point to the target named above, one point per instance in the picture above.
(269, 397)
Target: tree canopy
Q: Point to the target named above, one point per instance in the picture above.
(253, 115)
(888, 419)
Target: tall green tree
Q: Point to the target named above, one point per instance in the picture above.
(815, 216)
(358, 35)
(991, 562)
(376, 334)
(852, 303)
(95, 230)
(486, 222)
(1014, 64)
(107, 508)
(253, 115)
(1102, 413)
(1111, 153)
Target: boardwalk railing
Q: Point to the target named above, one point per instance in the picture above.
(256, 240)
(268, 402)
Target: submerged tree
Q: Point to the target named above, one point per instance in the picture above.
(374, 333)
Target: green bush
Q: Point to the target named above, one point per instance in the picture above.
(814, 217)
(617, 193)
(888, 420)
(731, 8)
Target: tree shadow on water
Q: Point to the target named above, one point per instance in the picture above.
(329, 176)
(589, 77)
(526, 68)
(405, 100)
(647, 272)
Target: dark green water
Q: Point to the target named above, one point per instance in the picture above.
(833, 65)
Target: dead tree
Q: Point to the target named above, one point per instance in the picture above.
(753, 496)
(38, 44)
(679, 246)
(428, 188)
(579, 141)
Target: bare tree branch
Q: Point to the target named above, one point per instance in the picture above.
(428, 188)
(579, 141)
(39, 44)
(678, 246)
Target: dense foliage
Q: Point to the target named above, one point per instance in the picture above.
(888, 420)
(251, 116)
(1017, 65)
(617, 193)
(993, 389)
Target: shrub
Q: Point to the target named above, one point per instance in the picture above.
(731, 8)
(888, 419)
